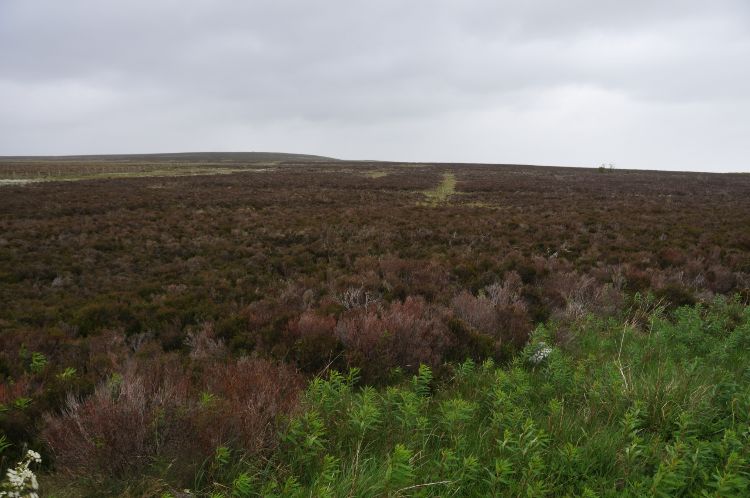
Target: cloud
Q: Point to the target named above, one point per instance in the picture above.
(641, 83)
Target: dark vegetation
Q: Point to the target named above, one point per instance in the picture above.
(165, 326)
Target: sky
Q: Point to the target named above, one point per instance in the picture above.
(647, 84)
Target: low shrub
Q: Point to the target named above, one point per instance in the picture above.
(151, 413)
(316, 344)
(675, 295)
(405, 334)
(499, 312)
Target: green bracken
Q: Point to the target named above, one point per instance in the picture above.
(651, 407)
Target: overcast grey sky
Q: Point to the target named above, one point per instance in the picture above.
(639, 83)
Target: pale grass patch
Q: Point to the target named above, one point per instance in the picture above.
(19, 181)
(441, 193)
(124, 172)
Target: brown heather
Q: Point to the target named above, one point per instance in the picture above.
(158, 412)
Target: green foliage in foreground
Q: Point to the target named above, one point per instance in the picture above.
(656, 409)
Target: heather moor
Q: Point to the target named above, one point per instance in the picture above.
(312, 327)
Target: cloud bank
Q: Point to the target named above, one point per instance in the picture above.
(642, 84)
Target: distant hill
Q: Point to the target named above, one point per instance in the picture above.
(181, 157)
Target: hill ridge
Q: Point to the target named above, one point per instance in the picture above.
(178, 156)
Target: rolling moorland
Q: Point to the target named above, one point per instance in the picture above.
(280, 325)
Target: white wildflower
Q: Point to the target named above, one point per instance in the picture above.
(542, 353)
(21, 482)
(33, 455)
